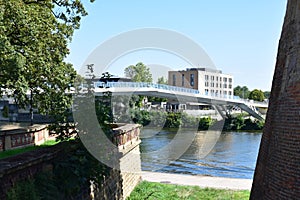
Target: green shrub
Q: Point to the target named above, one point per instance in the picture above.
(173, 120)
(189, 121)
(70, 174)
(204, 123)
(140, 117)
(24, 190)
(158, 118)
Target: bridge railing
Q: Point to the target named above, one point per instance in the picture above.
(170, 88)
(145, 85)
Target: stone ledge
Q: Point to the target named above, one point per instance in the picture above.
(128, 146)
(24, 160)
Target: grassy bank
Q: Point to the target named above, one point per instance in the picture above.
(159, 191)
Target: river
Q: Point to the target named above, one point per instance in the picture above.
(230, 154)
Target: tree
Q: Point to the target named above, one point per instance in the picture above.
(138, 73)
(33, 45)
(162, 80)
(242, 92)
(267, 94)
(256, 95)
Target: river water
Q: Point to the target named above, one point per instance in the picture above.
(210, 153)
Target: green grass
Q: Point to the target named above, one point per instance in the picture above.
(8, 153)
(159, 191)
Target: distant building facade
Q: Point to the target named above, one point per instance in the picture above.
(206, 80)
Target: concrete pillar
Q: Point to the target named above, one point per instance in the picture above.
(277, 174)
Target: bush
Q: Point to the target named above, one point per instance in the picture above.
(22, 191)
(140, 117)
(205, 123)
(173, 120)
(240, 123)
(158, 119)
(253, 125)
(71, 174)
(189, 121)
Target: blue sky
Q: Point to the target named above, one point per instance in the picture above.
(240, 36)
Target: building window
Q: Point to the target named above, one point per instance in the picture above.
(225, 79)
(230, 80)
(206, 84)
(212, 85)
(192, 80)
(230, 86)
(225, 85)
(220, 78)
(217, 78)
(174, 79)
(206, 91)
(230, 93)
(206, 77)
(225, 92)
(182, 80)
(212, 78)
(217, 84)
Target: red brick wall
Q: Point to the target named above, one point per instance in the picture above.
(277, 174)
(22, 139)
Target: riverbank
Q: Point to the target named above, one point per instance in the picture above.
(201, 181)
(162, 191)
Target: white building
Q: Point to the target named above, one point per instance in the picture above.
(206, 80)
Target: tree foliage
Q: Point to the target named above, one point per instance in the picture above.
(256, 95)
(162, 80)
(34, 35)
(138, 73)
(267, 94)
(242, 92)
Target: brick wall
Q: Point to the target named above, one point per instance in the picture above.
(22, 137)
(277, 174)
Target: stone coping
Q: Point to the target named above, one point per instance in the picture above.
(15, 129)
(123, 128)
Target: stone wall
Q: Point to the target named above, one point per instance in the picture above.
(130, 165)
(128, 140)
(25, 166)
(116, 184)
(277, 174)
(22, 137)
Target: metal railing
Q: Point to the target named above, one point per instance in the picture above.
(170, 88)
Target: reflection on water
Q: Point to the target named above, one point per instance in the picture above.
(231, 154)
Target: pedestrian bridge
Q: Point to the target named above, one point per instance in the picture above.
(220, 103)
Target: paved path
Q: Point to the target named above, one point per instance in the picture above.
(201, 181)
